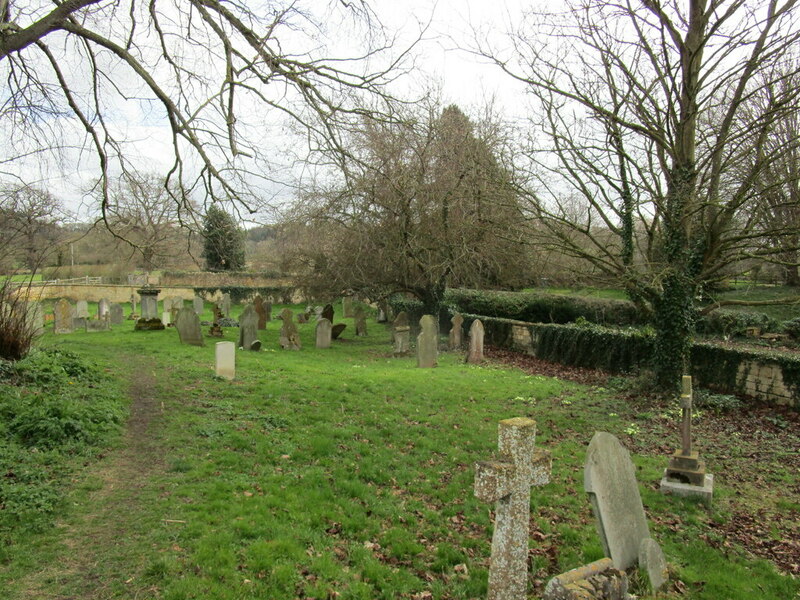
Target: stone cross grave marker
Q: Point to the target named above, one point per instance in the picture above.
(507, 482)
(198, 305)
(82, 309)
(63, 315)
(225, 354)
(323, 333)
(427, 343)
(289, 336)
(258, 305)
(115, 314)
(248, 329)
(360, 322)
(456, 332)
(610, 480)
(475, 352)
(187, 322)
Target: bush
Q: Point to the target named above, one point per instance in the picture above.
(731, 323)
(792, 327)
(17, 321)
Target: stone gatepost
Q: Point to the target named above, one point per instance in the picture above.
(507, 482)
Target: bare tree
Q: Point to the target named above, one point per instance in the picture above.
(29, 229)
(218, 73)
(638, 106)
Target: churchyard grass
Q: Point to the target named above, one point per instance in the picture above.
(341, 473)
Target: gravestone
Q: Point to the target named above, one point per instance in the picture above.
(82, 309)
(347, 307)
(133, 304)
(596, 581)
(103, 308)
(401, 334)
(63, 315)
(97, 325)
(427, 343)
(258, 305)
(383, 312)
(166, 317)
(268, 310)
(149, 320)
(652, 561)
(198, 305)
(475, 352)
(327, 312)
(456, 332)
(167, 304)
(225, 305)
(507, 482)
(248, 329)
(302, 318)
(610, 480)
(360, 322)
(323, 333)
(318, 313)
(187, 322)
(289, 336)
(34, 318)
(337, 330)
(685, 474)
(115, 314)
(225, 354)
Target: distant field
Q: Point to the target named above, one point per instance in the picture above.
(22, 277)
(611, 293)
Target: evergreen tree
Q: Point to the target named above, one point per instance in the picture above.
(223, 246)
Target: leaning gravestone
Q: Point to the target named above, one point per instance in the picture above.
(187, 322)
(248, 329)
(337, 330)
(225, 355)
(289, 336)
(427, 342)
(82, 309)
(323, 333)
(652, 561)
(115, 314)
(475, 352)
(360, 322)
(63, 315)
(258, 305)
(327, 312)
(507, 483)
(198, 305)
(456, 332)
(610, 480)
(225, 305)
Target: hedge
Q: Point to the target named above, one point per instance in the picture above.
(240, 294)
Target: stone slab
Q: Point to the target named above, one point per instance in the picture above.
(652, 561)
(705, 492)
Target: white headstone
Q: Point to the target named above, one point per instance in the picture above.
(225, 353)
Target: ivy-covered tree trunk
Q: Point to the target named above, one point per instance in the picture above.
(432, 298)
(674, 324)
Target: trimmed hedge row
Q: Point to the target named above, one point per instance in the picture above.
(241, 294)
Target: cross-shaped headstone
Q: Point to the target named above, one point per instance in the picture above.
(686, 408)
(507, 482)
(685, 465)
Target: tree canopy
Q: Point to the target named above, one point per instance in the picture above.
(223, 241)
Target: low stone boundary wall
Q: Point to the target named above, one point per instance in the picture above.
(93, 293)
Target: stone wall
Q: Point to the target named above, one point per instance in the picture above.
(209, 279)
(764, 380)
(93, 293)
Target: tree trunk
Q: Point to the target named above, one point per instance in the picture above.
(674, 323)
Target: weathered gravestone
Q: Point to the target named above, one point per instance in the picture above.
(686, 473)
(198, 305)
(82, 309)
(225, 354)
(34, 318)
(97, 325)
(337, 330)
(456, 332)
(323, 333)
(347, 307)
(427, 342)
(652, 561)
(187, 322)
(248, 329)
(289, 336)
(360, 322)
(475, 352)
(596, 581)
(166, 318)
(63, 315)
(258, 305)
(327, 312)
(177, 304)
(133, 303)
(103, 306)
(507, 482)
(302, 318)
(401, 334)
(149, 320)
(225, 305)
(383, 312)
(115, 314)
(610, 480)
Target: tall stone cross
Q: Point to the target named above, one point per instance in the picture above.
(685, 465)
(507, 482)
(686, 408)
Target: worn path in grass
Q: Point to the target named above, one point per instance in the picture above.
(108, 528)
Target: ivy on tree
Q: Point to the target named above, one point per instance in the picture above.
(223, 246)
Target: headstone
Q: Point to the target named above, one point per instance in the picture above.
(507, 482)
(225, 354)
(360, 322)
(198, 305)
(133, 304)
(79, 323)
(268, 310)
(149, 309)
(596, 581)
(216, 330)
(427, 343)
(225, 305)
(177, 303)
(289, 336)
(347, 307)
(187, 322)
(103, 308)
(82, 309)
(167, 304)
(115, 314)
(652, 561)
(323, 333)
(327, 312)
(610, 480)
(401, 334)
(63, 314)
(97, 325)
(34, 317)
(302, 318)
(248, 329)
(337, 330)
(456, 332)
(318, 312)
(475, 352)
(258, 305)
(686, 473)
(383, 312)
(166, 318)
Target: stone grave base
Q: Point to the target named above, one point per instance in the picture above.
(596, 581)
(705, 491)
(148, 325)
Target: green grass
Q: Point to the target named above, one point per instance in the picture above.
(342, 473)
(761, 293)
(590, 292)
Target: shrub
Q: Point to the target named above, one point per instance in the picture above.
(734, 323)
(792, 327)
(17, 326)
